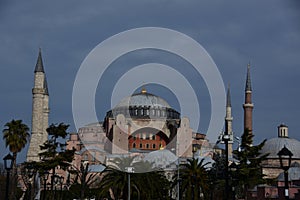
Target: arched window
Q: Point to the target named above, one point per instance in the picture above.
(133, 145)
(141, 145)
(153, 146)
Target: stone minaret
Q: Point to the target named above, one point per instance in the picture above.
(248, 105)
(40, 111)
(228, 123)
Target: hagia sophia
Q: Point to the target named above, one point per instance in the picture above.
(146, 126)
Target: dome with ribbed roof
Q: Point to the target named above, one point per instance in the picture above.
(144, 99)
(274, 145)
(144, 105)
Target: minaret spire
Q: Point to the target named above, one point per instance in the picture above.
(40, 111)
(39, 67)
(228, 122)
(248, 80)
(248, 105)
(228, 98)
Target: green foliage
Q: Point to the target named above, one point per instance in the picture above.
(53, 153)
(216, 176)
(248, 173)
(193, 179)
(150, 185)
(16, 135)
(82, 180)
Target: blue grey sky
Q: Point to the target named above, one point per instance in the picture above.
(266, 33)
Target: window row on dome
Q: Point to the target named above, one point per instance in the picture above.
(145, 111)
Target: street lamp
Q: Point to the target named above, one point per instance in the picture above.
(8, 164)
(226, 139)
(129, 170)
(285, 157)
(232, 168)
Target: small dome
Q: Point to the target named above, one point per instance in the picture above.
(161, 158)
(143, 99)
(274, 145)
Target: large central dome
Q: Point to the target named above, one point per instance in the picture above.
(144, 105)
(143, 99)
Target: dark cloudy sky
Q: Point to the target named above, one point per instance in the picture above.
(266, 33)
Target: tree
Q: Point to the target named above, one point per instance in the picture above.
(216, 178)
(194, 179)
(249, 172)
(53, 151)
(16, 135)
(83, 179)
(150, 185)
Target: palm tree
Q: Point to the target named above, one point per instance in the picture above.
(193, 178)
(150, 185)
(16, 135)
(83, 179)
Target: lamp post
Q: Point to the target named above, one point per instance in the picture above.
(129, 170)
(178, 179)
(8, 162)
(285, 158)
(232, 169)
(226, 139)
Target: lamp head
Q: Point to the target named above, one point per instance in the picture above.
(8, 161)
(285, 158)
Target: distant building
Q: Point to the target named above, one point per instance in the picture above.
(271, 166)
(138, 125)
(146, 126)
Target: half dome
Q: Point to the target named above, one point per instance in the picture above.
(161, 158)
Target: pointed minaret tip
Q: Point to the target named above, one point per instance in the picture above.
(248, 81)
(46, 87)
(228, 98)
(39, 64)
